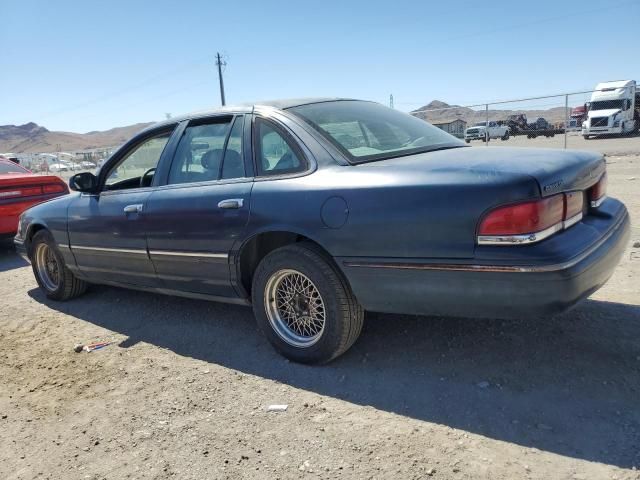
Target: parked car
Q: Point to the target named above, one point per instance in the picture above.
(314, 211)
(19, 190)
(480, 132)
(58, 167)
(87, 165)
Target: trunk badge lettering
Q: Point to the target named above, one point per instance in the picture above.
(553, 186)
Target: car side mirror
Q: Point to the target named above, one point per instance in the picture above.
(83, 182)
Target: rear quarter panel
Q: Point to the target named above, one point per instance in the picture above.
(389, 213)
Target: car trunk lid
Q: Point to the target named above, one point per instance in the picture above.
(554, 170)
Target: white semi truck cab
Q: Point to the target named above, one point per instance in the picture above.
(613, 109)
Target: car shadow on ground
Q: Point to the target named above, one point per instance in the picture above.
(8, 257)
(568, 385)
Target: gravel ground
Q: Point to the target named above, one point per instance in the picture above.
(183, 390)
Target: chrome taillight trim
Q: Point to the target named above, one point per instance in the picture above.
(598, 202)
(520, 239)
(572, 221)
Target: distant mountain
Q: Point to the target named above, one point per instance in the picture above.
(32, 138)
(441, 112)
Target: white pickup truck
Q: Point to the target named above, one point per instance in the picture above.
(479, 132)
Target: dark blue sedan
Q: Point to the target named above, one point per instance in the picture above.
(316, 210)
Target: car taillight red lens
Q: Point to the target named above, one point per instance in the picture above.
(20, 192)
(10, 194)
(28, 192)
(54, 188)
(524, 218)
(598, 192)
(47, 189)
(533, 221)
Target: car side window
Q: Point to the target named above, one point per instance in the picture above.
(210, 151)
(141, 161)
(275, 153)
(199, 154)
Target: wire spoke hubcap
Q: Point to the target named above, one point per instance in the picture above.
(295, 308)
(47, 266)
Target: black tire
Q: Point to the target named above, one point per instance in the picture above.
(343, 315)
(505, 137)
(67, 285)
(586, 137)
(468, 141)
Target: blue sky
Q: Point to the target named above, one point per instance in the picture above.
(81, 66)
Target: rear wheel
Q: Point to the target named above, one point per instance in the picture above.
(52, 275)
(468, 141)
(304, 306)
(505, 136)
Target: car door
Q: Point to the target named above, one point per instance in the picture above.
(107, 232)
(492, 129)
(194, 219)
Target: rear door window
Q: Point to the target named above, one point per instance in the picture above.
(276, 153)
(209, 151)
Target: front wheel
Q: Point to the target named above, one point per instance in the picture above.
(468, 141)
(304, 306)
(54, 278)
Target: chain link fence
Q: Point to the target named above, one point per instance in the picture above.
(606, 119)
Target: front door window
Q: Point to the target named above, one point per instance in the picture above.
(136, 169)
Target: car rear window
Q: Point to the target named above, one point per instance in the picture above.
(366, 131)
(10, 167)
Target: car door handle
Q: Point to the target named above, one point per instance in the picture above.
(137, 208)
(231, 203)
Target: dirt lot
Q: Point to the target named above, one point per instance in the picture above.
(183, 390)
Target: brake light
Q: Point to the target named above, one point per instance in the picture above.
(48, 189)
(524, 218)
(11, 194)
(532, 221)
(598, 193)
(29, 192)
(54, 188)
(20, 192)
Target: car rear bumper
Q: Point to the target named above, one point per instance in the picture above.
(521, 281)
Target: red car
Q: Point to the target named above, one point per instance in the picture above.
(21, 189)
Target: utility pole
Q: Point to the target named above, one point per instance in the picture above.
(220, 63)
(391, 101)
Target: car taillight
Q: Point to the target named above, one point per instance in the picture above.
(20, 192)
(11, 194)
(531, 221)
(598, 193)
(47, 189)
(524, 218)
(54, 188)
(573, 206)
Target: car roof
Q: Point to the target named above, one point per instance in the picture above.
(281, 104)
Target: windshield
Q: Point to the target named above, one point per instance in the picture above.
(607, 105)
(480, 124)
(366, 131)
